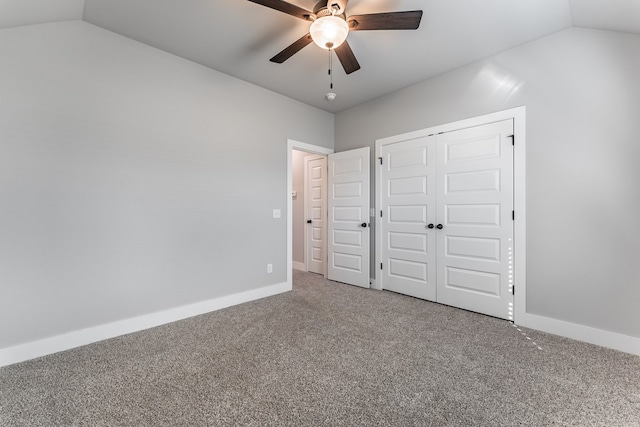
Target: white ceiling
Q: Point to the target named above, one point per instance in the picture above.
(238, 37)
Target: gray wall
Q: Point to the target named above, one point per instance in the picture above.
(582, 93)
(132, 181)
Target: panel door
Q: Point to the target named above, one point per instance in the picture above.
(408, 245)
(348, 222)
(475, 203)
(315, 206)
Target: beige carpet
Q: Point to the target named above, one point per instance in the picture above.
(328, 354)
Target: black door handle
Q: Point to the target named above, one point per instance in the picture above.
(439, 226)
(430, 226)
(308, 221)
(363, 225)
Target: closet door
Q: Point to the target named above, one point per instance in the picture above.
(315, 205)
(475, 203)
(408, 245)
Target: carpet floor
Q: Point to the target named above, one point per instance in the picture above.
(328, 354)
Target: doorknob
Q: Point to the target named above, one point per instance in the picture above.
(439, 226)
(363, 225)
(308, 221)
(430, 226)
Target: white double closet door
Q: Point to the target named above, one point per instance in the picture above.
(446, 226)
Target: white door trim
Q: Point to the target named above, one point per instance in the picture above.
(518, 116)
(309, 148)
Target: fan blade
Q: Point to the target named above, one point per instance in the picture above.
(408, 20)
(347, 58)
(285, 7)
(292, 49)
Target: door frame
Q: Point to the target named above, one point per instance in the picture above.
(308, 148)
(518, 115)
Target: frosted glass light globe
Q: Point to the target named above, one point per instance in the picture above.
(329, 32)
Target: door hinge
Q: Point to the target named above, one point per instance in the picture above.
(380, 214)
(380, 266)
(380, 159)
(513, 215)
(513, 139)
(513, 290)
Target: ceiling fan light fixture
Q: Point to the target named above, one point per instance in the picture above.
(329, 32)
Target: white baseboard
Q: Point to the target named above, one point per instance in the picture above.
(375, 285)
(299, 266)
(31, 350)
(625, 343)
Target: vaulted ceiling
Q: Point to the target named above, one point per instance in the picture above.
(238, 37)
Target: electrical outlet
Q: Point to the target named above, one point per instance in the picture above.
(277, 213)
(269, 268)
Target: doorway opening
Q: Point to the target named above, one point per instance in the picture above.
(297, 150)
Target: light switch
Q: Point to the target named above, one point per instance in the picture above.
(277, 213)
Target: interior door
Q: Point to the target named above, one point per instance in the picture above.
(348, 219)
(407, 225)
(315, 208)
(475, 204)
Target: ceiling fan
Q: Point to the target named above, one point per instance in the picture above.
(330, 27)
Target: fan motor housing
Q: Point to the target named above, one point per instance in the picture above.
(321, 9)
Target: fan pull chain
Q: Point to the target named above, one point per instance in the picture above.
(330, 70)
(330, 96)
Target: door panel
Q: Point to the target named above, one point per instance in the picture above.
(408, 247)
(475, 201)
(472, 248)
(348, 241)
(316, 195)
(472, 281)
(480, 215)
(488, 180)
